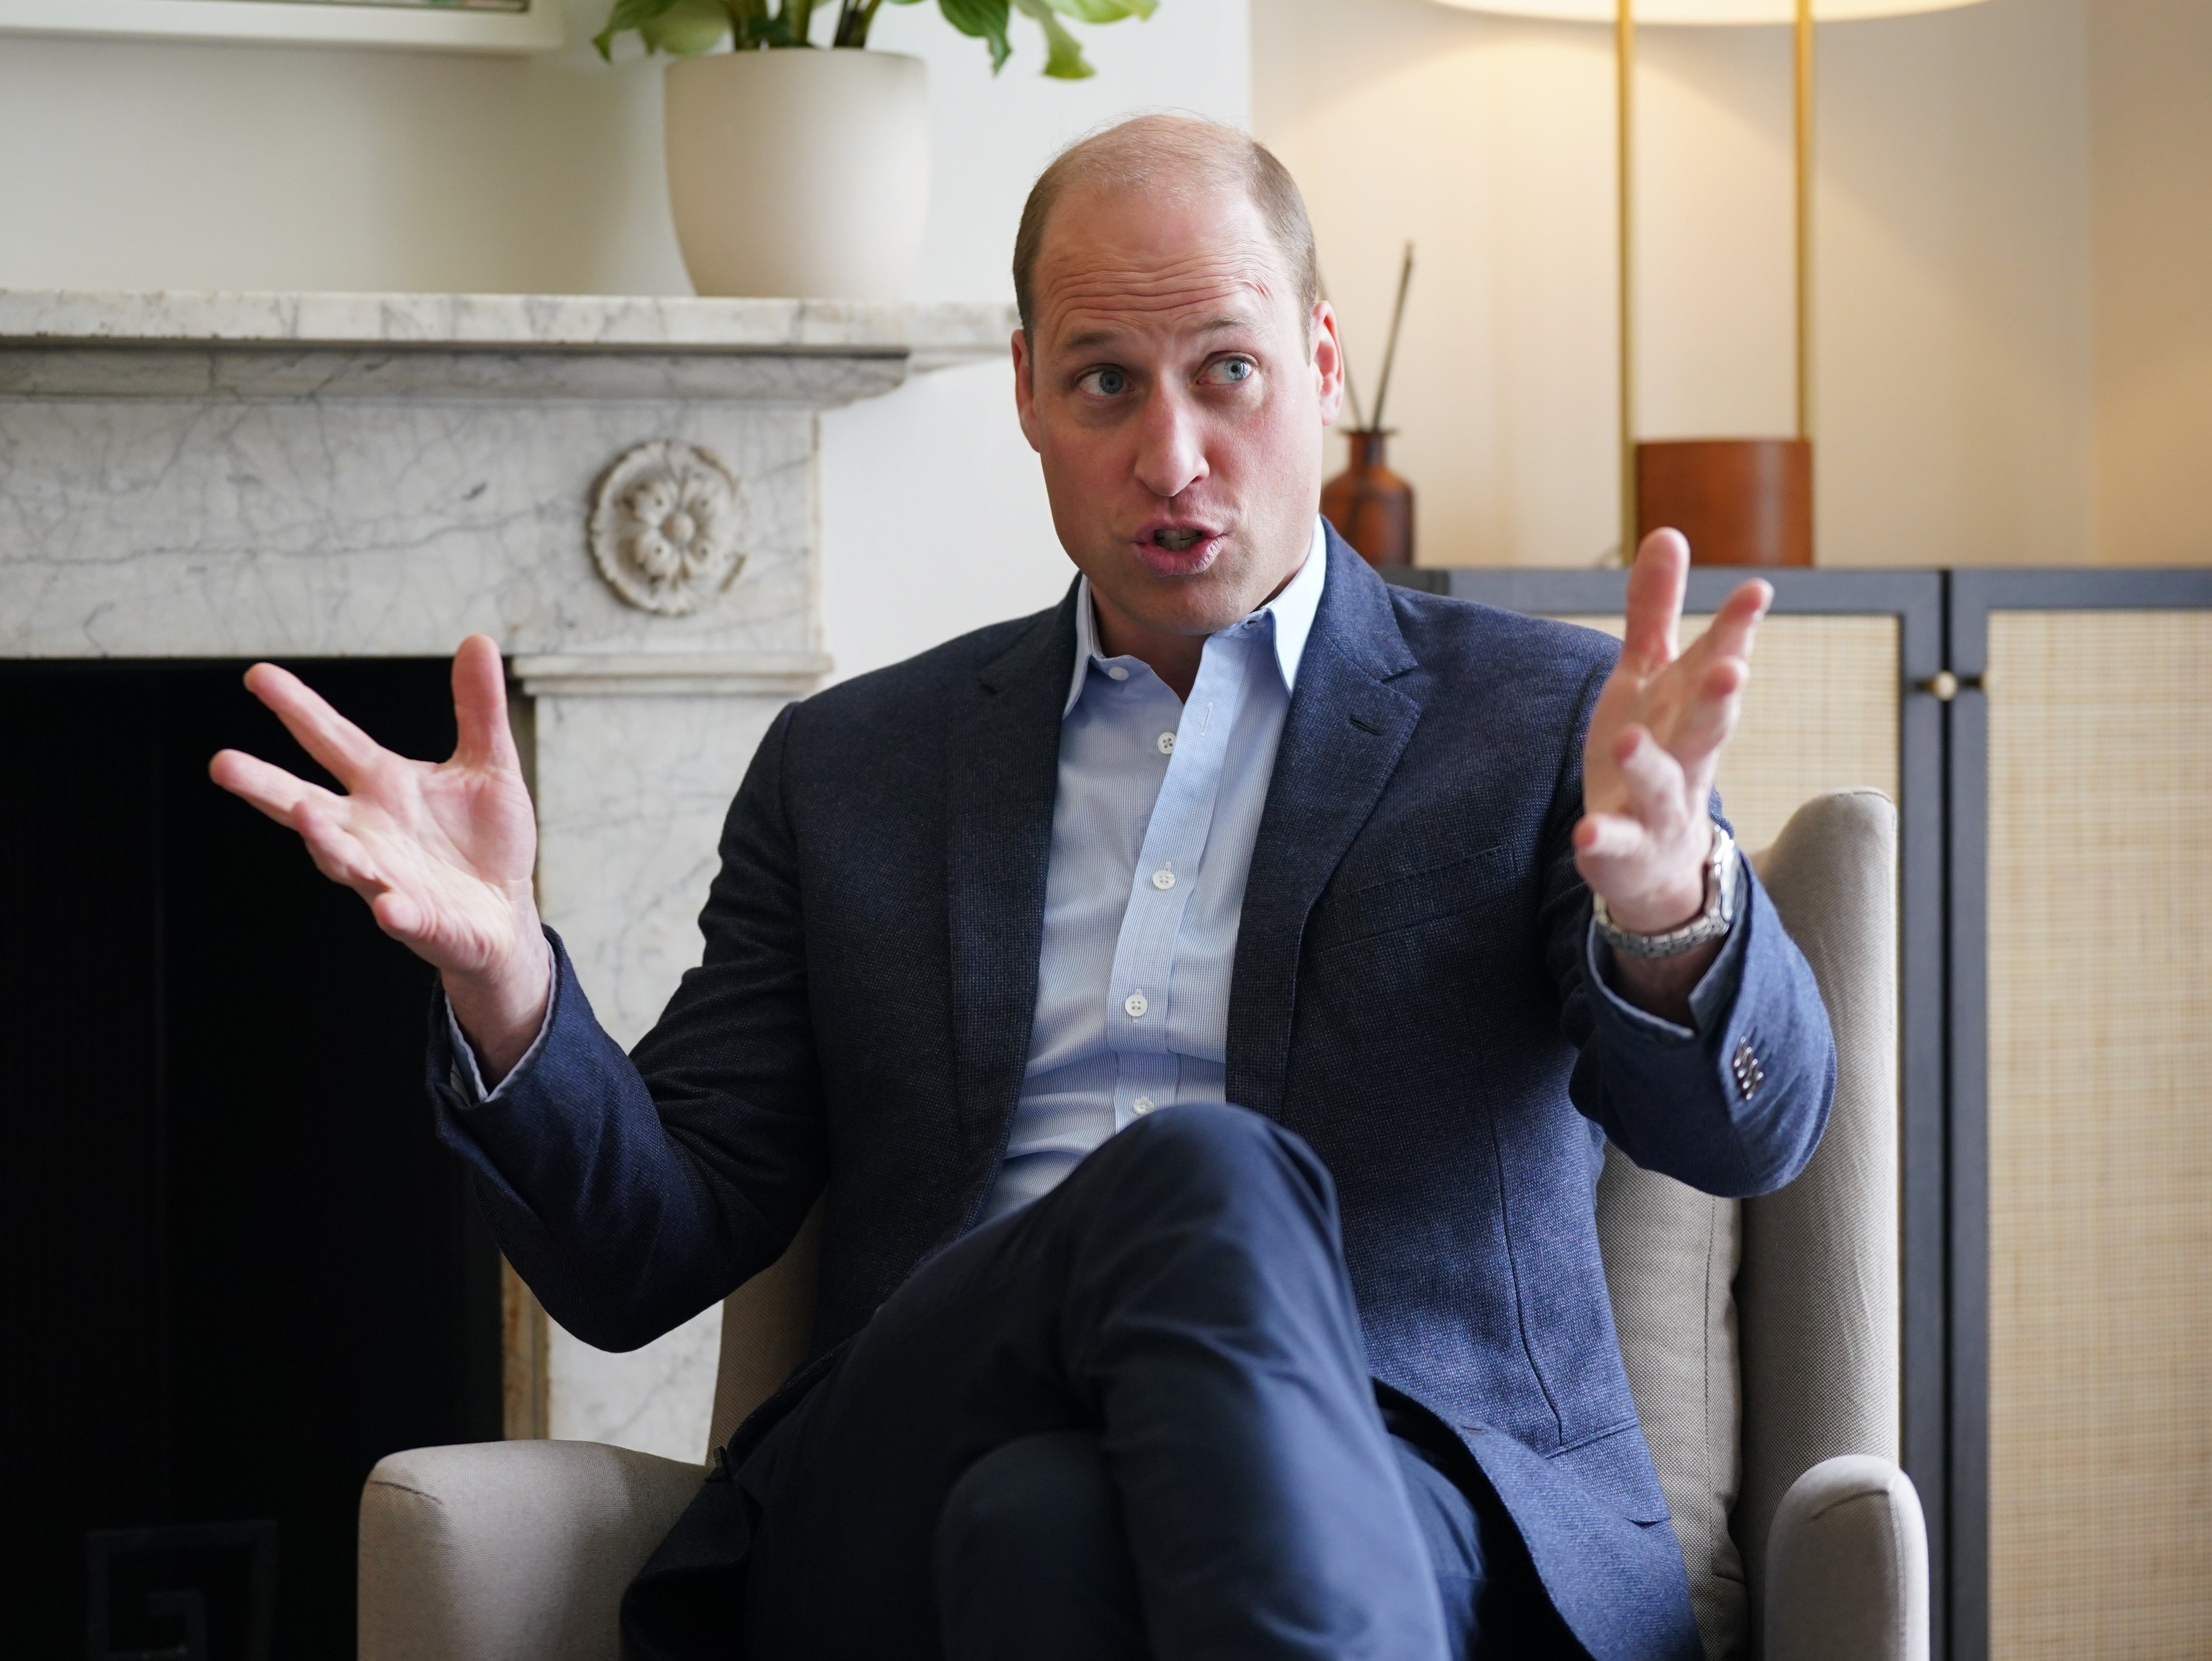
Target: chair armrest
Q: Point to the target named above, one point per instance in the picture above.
(1847, 1565)
(509, 1551)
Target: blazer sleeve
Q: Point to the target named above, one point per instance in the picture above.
(632, 1191)
(1735, 1107)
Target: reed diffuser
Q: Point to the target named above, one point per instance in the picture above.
(1371, 506)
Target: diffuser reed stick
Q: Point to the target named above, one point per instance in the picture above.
(1390, 349)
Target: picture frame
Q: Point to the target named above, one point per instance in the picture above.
(477, 26)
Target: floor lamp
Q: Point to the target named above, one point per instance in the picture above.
(1740, 500)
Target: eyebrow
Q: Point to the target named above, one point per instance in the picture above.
(1088, 338)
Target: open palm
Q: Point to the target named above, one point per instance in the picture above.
(442, 852)
(1655, 742)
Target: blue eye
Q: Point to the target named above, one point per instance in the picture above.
(1231, 371)
(1108, 382)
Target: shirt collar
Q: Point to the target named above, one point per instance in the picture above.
(1294, 609)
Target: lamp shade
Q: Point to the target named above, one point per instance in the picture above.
(1708, 11)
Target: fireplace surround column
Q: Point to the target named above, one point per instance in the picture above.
(620, 491)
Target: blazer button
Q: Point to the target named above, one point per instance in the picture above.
(1749, 1074)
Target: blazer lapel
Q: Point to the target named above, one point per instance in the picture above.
(1002, 769)
(1355, 705)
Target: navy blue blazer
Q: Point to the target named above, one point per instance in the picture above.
(1411, 994)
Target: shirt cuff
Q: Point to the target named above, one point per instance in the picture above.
(465, 1076)
(1712, 997)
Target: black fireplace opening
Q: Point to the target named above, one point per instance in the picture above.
(240, 1270)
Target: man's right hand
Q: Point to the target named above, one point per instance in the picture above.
(443, 851)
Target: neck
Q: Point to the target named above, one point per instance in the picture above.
(1173, 657)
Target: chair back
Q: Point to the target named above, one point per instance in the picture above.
(766, 1323)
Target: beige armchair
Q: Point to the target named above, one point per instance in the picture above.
(1762, 1341)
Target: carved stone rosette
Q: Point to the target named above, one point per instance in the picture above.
(666, 523)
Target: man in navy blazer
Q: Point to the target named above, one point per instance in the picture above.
(1316, 1362)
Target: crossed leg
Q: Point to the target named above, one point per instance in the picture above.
(1180, 1305)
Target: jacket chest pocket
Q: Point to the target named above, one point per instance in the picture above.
(1396, 898)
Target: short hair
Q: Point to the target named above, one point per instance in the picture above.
(1181, 154)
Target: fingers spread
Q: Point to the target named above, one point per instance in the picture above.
(338, 854)
(271, 789)
(1656, 586)
(323, 732)
(1654, 778)
(1736, 623)
(480, 704)
(1709, 715)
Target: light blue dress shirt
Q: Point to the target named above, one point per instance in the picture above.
(1152, 829)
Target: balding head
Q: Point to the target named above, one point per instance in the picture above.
(1176, 157)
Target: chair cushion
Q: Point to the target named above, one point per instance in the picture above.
(1670, 1255)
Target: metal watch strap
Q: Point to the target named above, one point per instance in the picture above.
(1708, 925)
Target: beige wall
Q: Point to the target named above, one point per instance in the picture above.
(1954, 335)
(2150, 75)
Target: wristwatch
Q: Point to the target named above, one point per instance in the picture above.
(1710, 924)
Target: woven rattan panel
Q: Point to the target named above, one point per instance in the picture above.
(2100, 1135)
(1821, 714)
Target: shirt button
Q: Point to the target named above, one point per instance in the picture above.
(1136, 1004)
(1166, 742)
(1164, 881)
(1116, 671)
(1142, 1105)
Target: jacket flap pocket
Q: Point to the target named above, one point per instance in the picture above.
(1406, 898)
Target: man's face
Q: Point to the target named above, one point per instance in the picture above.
(1176, 394)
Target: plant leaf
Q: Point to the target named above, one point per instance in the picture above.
(984, 19)
(627, 15)
(1064, 59)
(1104, 11)
(687, 28)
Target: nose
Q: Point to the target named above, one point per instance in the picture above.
(1170, 445)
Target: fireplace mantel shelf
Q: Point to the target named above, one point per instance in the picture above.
(500, 322)
(81, 343)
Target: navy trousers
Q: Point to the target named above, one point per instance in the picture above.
(1133, 1419)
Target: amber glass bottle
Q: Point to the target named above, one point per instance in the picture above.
(1371, 506)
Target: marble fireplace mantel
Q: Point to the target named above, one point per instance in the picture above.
(619, 490)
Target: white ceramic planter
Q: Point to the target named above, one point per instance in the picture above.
(800, 173)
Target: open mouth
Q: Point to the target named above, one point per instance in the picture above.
(1178, 539)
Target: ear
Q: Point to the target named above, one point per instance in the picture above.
(1025, 388)
(1327, 361)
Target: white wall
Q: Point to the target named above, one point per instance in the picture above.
(151, 166)
(1954, 393)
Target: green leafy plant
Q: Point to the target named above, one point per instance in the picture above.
(688, 27)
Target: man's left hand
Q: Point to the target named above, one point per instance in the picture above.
(1648, 763)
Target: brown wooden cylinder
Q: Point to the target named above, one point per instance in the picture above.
(1371, 506)
(1740, 500)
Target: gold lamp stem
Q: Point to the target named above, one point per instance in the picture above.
(1804, 216)
(1625, 65)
